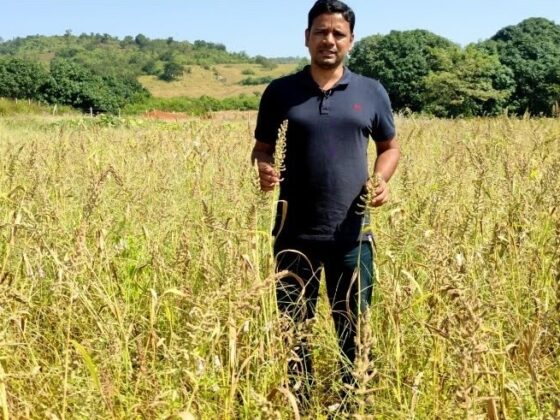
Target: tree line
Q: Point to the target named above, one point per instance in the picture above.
(515, 71)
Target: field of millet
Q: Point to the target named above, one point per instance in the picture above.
(136, 277)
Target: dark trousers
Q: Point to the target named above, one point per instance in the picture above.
(349, 276)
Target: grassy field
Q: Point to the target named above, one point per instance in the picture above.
(136, 277)
(218, 81)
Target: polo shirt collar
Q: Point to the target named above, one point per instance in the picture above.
(307, 79)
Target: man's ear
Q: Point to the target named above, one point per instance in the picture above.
(307, 37)
(351, 42)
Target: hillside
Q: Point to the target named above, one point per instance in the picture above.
(100, 73)
(137, 55)
(219, 81)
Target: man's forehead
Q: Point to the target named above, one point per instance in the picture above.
(330, 19)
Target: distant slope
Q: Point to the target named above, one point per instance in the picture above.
(165, 67)
(137, 55)
(218, 81)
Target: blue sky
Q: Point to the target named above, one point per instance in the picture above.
(271, 28)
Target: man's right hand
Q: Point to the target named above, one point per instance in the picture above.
(262, 155)
(268, 176)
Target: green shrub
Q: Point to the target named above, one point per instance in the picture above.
(74, 85)
(171, 71)
(252, 81)
(194, 106)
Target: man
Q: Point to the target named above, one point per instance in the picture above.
(331, 114)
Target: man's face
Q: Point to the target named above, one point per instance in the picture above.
(329, 39)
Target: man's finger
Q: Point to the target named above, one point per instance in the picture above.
(266, 187)
(266, 168)
(271, 179)
(380, 188)
(381, 197)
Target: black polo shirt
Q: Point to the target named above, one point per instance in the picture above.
(326, 149)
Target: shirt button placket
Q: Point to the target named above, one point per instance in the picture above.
(325, 102)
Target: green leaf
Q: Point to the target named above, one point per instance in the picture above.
(91, 367)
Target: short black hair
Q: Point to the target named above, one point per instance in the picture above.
(331, 6)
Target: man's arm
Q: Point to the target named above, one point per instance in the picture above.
(263, 155)
(388, 155)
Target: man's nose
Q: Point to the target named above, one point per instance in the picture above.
(328, 39)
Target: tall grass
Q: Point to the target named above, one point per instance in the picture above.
(136, 279)
(14, 107)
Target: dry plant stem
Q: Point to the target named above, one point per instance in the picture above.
(3, 394)
(363, 368)
(279, 156)
(67, 351)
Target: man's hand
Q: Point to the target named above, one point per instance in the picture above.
(388, 154)
(379, 190)
(262, 155)
(268, 176)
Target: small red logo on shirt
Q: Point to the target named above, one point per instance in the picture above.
(357, 107)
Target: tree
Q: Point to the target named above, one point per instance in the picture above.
(151, 68)
(75, 85)
(22, 79)
(401, 60)
(199, 44)
(266, 63)
(171, 71)
(127, 41)
(141, 40)
(531, 50)
(474, 83)
(302, 63)
(167, 56)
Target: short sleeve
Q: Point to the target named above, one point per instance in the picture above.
(383, 124)
(269, 117)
